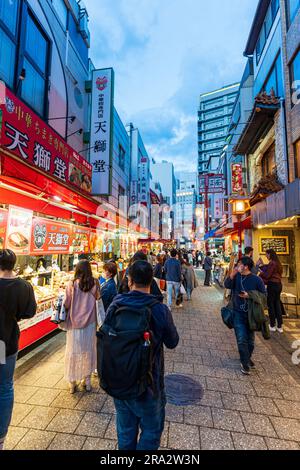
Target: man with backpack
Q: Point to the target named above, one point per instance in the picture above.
(131, 360)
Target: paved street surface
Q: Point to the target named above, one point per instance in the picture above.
(257, 412)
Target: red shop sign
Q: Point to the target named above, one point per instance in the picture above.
(3, 225)
(237, 178)
(50, 237)
(29, 138)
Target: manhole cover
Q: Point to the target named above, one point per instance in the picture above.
(182, 390)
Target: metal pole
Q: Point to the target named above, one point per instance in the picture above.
(206, 212)
(240, 235)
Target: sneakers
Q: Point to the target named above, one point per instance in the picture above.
(280, 330)
(245, 370)
(273, 329)
(252, 365)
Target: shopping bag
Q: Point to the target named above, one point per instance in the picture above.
(101, 314)
(182, 290)
(162, 284)
(228, 317)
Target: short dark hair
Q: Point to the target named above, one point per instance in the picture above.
(111, 267)
(246, 261)
(8, 260)
(141, 273)
(248, 250)
(174, 253)
(138, 256)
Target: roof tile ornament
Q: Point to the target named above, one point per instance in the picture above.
(267, 100)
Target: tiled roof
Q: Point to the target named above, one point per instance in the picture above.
(267, 100)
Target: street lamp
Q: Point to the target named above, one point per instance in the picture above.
(240, 205)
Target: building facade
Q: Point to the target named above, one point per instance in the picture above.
(163, 173)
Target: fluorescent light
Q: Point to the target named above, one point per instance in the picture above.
(57, 198)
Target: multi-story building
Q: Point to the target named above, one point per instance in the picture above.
(213, 120)
(163, 173)
(186, 200)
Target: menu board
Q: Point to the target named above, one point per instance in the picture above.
(18, 233)
(3, 224)
(49, 236)
(279, 244)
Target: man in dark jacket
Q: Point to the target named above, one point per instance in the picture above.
(17, 302)
(207, 266)
(241, 281)
(148, 411)
(173, 277)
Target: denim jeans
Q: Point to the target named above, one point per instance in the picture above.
(146, 414)
(189, 293)
(172, 286)
(244, 336)
(6, 393)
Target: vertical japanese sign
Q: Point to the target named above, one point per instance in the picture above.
(102, 130)
(144, 181)
(18, 233)
(237, 178)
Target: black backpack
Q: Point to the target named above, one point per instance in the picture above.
(124, 362)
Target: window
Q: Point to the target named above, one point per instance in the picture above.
(275, 79)
(61, 11)
(266, 28)
(268, 161)
(122, 154)
(36, 64)
(295, 78)
(8, 40)
(292, 8)
(9, 14)
(297, 158)
(7, 59)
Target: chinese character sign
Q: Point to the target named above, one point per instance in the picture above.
(101, 130)
(50, 237)
(31, 140)
(214, 184)
(237, 178)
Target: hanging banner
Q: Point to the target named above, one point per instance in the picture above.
(49, 236)
(3, 225)
(31, 140)
(237, 178)
(101, 141)
(18, 233)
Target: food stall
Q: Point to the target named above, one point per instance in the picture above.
(156, 246)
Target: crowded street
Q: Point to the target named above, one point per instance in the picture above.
(257, 412)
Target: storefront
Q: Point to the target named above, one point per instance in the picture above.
(47, 214)
(156, 246)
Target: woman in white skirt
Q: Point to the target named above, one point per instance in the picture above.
(81, 326)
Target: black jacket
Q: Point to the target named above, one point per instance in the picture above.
(17, 302)
(108, 293)
(155, 290)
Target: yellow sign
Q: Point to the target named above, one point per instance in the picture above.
(279, 244)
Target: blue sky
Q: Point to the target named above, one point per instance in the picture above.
(165, 53)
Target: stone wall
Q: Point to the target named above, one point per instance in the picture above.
(280, 148)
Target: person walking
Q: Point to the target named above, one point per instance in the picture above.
(81, 324)
(173, 277)
(108, 287)
(249, 251)
(241, 281)
(145, 412)
(17, 302)
(190, 281)
(271, 274)
(208, 266)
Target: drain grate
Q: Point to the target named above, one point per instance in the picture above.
(182, 390)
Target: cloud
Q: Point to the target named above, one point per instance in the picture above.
(165, 54)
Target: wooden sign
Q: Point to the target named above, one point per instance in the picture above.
(279, 244)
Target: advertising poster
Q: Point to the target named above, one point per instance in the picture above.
(18, 235)
(50, 237)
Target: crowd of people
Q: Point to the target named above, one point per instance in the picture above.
(147, 280)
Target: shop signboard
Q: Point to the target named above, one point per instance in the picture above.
(279, 244)
(18, 233)
(236, 178)
(49, 237)
(101, 142)
(213, 184)
(3, 225)
(31, 140)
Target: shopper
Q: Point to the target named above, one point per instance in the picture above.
(190, 281)
(249, 251)
(208, 266)
(271, 274)
(241, 281)
(146, 412)
(124, 286)
(81, 324)
(17, 302)
(158, 272)
(173, 277)
(108, 287)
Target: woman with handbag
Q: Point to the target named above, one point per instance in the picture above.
(81, 357)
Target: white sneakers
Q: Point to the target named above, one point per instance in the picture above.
(273, 329)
